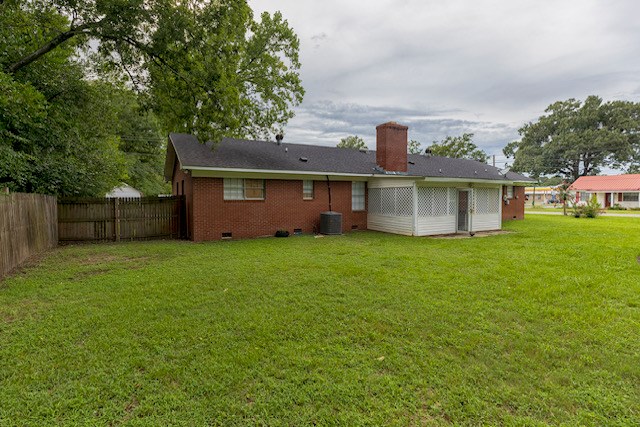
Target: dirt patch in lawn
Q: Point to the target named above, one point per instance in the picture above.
(98, 259)
(471, 235)
(90, 273)
(98, 264)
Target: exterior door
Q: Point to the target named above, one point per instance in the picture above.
(607, 199)
(463, 210)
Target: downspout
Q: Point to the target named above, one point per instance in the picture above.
(329, 190)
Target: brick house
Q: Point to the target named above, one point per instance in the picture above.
(240, 188)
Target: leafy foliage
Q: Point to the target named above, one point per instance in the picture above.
(59, 141)
(353, 142)
(591, 209)
(70, 123)
(578, 138)
(414, 147)
(210, 68)
(142, 141)
(459, 147)
(551, 181)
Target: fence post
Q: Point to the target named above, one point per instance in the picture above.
(116, 218)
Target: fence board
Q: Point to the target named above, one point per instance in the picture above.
(28, 226)
(101, 220)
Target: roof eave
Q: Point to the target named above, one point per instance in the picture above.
(346, 174)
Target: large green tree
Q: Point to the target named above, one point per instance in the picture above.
(55, 135)
(68, 124)
(459, 147)
(577, 138)
(210, 67)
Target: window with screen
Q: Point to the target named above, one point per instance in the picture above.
(243, 189)
(357, 196)
(307, 189)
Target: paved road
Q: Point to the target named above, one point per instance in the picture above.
(569, 213)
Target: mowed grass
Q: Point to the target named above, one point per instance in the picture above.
(540, 326)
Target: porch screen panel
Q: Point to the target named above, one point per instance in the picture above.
(375, 201)
(404, 201)
(433, 201)
(453, 199)
(391, 201)
(485, 201)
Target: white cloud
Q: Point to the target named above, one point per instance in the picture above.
(447, 67)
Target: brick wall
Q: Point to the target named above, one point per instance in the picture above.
(282, 208)
(515, 208)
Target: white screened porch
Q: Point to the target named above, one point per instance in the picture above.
(416, 208)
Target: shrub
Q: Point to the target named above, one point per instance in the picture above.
(617, 207)
(589, 210)
(578, 211)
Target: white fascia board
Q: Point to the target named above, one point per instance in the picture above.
(479, 181)
(205, 171)
(210, 172)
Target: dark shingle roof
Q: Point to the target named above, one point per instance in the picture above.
(244, 154)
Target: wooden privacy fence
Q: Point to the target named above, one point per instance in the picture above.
(101, 220)
(28, 226)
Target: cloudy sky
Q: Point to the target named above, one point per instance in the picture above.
(449, 67)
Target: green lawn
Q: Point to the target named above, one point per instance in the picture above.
(550, 208)
(540, 326)
(628, 211)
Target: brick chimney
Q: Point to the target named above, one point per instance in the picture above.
(391, 147)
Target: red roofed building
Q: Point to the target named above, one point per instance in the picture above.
(623, 190)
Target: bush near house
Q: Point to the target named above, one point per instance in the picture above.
(589, 210)
(361, 329)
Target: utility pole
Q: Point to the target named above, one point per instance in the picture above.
(494, 160)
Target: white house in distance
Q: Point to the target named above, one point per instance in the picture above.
(124, 191)
(623, 190)
(538, 196)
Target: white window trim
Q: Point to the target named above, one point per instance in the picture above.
(361, 198)
(304, 193)
(509, 190)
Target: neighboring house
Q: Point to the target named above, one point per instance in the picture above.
(243, 188)
(123, 191)
(623, 190)
(541, 195)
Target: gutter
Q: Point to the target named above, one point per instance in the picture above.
(339, 174)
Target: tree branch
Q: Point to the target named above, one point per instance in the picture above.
(48, 47)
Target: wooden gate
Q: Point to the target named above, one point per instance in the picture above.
(103, 220)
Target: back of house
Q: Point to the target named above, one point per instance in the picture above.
(242, 188)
